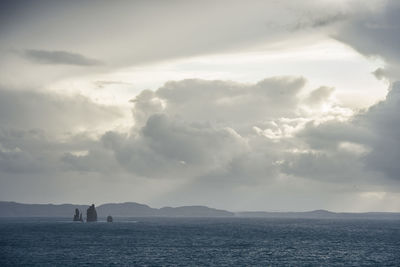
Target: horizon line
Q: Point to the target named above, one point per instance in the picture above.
(127, 202)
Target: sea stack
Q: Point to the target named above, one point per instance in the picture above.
(109, 218)
(91, 214)
(77, 216)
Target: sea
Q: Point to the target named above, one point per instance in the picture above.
(199, 242)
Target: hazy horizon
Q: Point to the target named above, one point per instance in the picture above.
(234, 105)
(237, 212)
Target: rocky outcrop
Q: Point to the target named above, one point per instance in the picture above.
(77, 216)
(91, 214)
(109, 218)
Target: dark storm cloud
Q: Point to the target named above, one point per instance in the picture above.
(383, 121)
(380, 73)
(309, 22)
(376, 34)
(364, 146)
(60, 58)
(329, 134)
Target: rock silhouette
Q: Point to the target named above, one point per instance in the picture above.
(109, 218)
(91, 214)
(77, 216)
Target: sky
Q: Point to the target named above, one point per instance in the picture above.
(239, 105)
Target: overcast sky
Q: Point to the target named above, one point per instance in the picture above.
(240, 105)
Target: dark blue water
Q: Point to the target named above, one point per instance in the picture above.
(200, 242)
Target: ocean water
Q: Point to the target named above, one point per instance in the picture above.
(199, 242)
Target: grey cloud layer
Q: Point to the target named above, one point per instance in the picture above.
(38, 129)
(136, 32)
(376, 34)
(51, 112)
(365, 147)
(59, 57)
(383, 120)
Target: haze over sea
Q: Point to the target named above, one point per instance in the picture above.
(199, 242)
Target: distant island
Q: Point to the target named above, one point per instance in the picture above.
(133, 209)
(128, 209)
(77, 216)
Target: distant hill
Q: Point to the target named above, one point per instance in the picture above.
(194, 211)
(14, 209)
(132, 209)
(320, 214)
(307, 214)
(128, 209)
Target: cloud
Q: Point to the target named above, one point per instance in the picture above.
(35, 151)
(319, 96)
(60, 58)
(372, 134)
(222, 103)
(308, 22)
(227, 131)
(380, 73)
(201, 129)
(376, 34)
(136, 33)
(248, 138)
(169, 148)
(53, 112)
(102, 84)
(383, 121)
(198, 128)
(363, 149)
